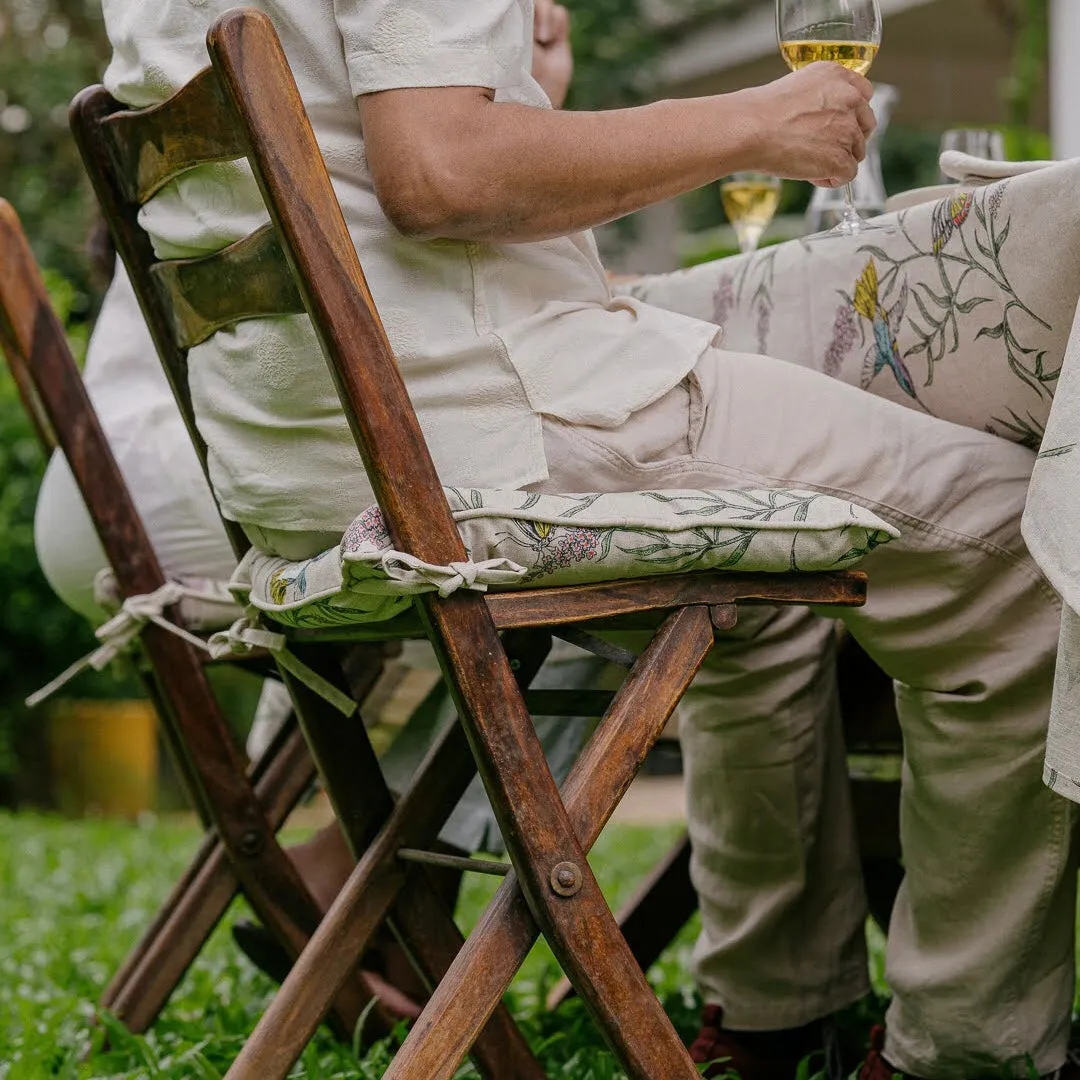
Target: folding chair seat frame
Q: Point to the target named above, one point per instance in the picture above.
(489, 646)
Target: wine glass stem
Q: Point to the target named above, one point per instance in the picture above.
(852, 223)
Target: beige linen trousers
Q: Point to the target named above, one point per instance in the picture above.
(980, 956)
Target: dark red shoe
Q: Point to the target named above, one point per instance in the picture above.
(754, 1055)
(877, 1068)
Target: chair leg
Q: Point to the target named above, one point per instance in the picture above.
(431, 935)
(657, 911)
(600, 964)
(666, 900)
(140, 989)
(376, 884)
(270, 881)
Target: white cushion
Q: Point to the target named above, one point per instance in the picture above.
(515, 538)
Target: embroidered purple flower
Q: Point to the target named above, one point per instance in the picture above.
(764, 323)
(723, 299)
(844, 334)
(996, 196)
(563, 548)
(368, 529)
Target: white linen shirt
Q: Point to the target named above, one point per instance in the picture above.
(488, 336)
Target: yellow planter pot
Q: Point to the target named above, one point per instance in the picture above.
(103, 757)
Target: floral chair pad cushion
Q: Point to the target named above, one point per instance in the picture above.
(515, 538)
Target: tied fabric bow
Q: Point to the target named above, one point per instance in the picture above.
(119, 633)
(411, 571)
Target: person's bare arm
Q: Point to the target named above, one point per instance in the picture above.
(451, 162)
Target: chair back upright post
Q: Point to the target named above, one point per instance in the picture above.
(285, 157)
(53, 391)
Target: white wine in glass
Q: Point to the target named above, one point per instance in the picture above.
(846, 32)
(750, 202)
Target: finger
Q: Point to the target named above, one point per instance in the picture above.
(560, 23)
(863, 84)
(860, 83)
(867, 120)
(858, 147)
(542, 21)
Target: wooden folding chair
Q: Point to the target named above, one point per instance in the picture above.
(241, 810)
(489, 645)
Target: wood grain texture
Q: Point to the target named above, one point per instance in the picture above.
(150, 147)
(247, 280)
(659, 908)
(640, 604)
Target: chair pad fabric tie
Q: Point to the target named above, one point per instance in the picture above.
(246, 634)
(414, 572)
(119, 634)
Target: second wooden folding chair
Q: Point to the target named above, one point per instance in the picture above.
(241, 808)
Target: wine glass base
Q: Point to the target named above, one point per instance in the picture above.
(848, 227)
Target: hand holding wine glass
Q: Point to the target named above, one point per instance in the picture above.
(846, 32)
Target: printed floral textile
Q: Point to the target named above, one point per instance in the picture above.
(518, 538)
(959, 307)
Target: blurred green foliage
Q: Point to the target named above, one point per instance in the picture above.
(49, 50)
(613, 51)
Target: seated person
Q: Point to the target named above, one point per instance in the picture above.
(470, 201)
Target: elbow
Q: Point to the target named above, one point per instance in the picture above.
(429, 201)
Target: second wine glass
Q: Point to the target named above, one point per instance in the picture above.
(845, 32)
(750, 201)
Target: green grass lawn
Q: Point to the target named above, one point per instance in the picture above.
(74, 897)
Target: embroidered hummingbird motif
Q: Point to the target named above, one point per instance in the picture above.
(884, 351)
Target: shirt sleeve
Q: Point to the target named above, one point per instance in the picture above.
(392, 44)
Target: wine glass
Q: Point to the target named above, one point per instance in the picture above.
(846, 32)
(750, 201)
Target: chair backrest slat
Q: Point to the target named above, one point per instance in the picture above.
(246, 280)
(256, 108)
(34, 343)
(152, 146)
